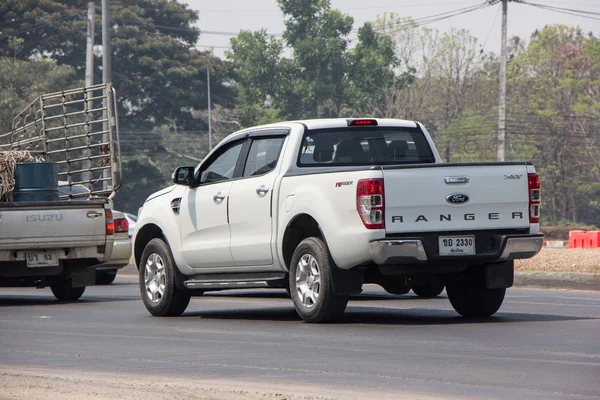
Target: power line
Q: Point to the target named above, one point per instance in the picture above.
(567, 11)
(431, 18)
(40, 25)
(491, 27)
(230, 10)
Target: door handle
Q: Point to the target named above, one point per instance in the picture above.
(261, 191)
(93, 214)
(218, 198)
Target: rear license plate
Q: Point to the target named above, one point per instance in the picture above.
(41, 259)
(457, 245)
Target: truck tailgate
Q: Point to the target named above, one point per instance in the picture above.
(52, 224)
(432, 198)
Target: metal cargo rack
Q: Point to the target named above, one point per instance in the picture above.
(78, 130)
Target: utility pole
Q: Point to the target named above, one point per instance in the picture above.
(89, 55)
(89, 81)
(209, 108)
(106, 79)
(502, 97)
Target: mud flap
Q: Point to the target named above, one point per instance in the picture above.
(346, 281)
(499, 276)
(83, 277)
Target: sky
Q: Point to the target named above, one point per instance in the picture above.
(485, 24)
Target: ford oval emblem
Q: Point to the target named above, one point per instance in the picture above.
(457, 198)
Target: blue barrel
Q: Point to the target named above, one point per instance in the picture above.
(36, 181)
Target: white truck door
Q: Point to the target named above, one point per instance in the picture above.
(205, 233)
(250, 204)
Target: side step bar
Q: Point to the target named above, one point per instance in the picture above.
(235, 281)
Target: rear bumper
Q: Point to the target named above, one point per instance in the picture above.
(120, 256)
(414, 251)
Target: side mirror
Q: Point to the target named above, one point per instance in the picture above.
(183, 176)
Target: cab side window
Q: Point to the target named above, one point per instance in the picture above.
(222, 167)
(263, 156)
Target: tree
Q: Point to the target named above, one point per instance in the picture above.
(21, 81)
(318, 37)
(557, 78)
(323, 77)
(257, 58)
(372, 74)
(159, 78)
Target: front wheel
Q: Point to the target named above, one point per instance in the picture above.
(311, 283)
(428, 289)
(64, 291)
(157, 278)
(471, 299)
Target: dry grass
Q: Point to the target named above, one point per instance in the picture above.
(562, 260)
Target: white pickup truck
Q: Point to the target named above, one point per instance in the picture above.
(321, 207)
(58, 242)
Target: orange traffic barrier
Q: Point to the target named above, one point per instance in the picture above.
(584, 239)
(592, 239)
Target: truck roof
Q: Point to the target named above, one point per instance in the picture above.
(319, 124)
(337, 123)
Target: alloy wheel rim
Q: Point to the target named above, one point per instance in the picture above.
(155, 278)
(308, 280)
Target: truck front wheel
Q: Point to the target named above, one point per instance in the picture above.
(470, 298)
(158, 287)
(429, 289)
(311, 284)
(64, 291)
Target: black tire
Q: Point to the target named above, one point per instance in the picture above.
(394, 285)
(429, 289)
(65, 292)
(168, 299)
(326, 305)
(106, 277)
(471, 299)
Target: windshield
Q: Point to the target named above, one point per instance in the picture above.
(364, 146)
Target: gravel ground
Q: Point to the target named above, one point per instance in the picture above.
(562, 260)
(38, 384)
(75, 386)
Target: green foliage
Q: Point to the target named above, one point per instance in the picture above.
(21, 81)
(557, 75)
(141, 180)
(158, 78)
(323, 77)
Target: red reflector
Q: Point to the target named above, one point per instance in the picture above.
(121, 225)
(362, 122)
(110, 224)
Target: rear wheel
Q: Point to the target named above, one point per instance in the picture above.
(64, 291)
(311, 284)
(428, 289)
(106, 277)
(157, 278)
(470, 298)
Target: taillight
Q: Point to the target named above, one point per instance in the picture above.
(370, 203)
(110, 224)
(121, 225)
(534, 198)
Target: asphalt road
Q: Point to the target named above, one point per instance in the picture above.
(543, 344)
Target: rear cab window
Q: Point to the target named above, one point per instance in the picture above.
(364, 146)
